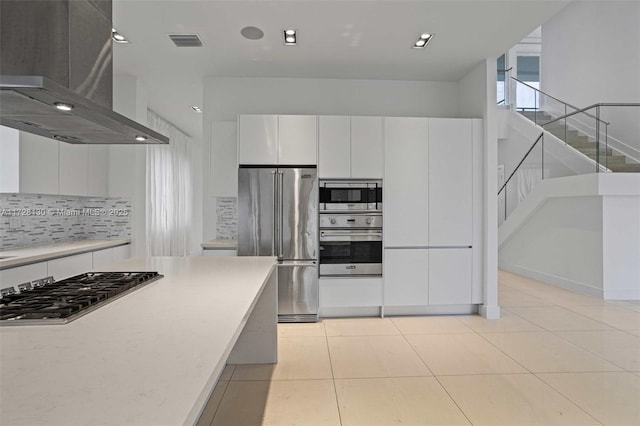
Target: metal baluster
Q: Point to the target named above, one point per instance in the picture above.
(598, 140)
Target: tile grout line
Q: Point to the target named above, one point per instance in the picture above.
(224, 391)
(566, 397)
(333, 378)
(435, 377)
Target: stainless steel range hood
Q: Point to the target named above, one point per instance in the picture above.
(55, 53)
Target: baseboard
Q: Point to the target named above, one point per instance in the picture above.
(554, 279)
(390, 311)
(490, 312)
(622, 294)
(341, 312)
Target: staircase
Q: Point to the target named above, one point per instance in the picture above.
(584, 143)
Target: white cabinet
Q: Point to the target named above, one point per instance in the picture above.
(273, 139)
(69, 266)
(350, 147)
(13, 276)
(98, 157)
(74, 162)
(38, 162)
(406, 204)
(350, 292)
(450, 277)
(367, 148)
(450, 182)
(406, 279)
(121, 253)
(258, 139)
(297, 140)
(334, 146)
(102, 258)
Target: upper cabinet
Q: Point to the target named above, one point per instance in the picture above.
(34, 164)
(334, 146)
(273, 139)
(297, 139)
(258, 139)
(350, 147)
(367, 149)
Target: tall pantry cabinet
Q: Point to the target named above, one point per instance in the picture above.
(428, 211)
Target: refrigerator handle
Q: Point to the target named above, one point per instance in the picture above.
(280, 213)
(275, 212)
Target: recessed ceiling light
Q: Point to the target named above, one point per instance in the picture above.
(62, 106)
(117, 37)
(141, 138)
(290, 37)
(196, 108)
(422, 41)
(252, 33)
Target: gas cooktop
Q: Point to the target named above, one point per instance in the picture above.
(61, 302)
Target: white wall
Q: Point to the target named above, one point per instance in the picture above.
(591, 54)
(477, 98)
(561, 243)
(579, 232)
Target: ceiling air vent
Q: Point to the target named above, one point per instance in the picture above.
(186, 40)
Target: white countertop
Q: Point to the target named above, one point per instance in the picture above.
(26, 255)
(220, 245)
(143, 359)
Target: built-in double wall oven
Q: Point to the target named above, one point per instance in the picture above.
(350, 228)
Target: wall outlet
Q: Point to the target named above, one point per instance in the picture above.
(14, 222)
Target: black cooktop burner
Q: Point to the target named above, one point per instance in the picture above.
(63, 301)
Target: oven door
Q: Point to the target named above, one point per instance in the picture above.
(350, 252)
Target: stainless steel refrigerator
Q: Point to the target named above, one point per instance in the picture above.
(278, 216)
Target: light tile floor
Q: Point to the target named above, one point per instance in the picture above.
(554, 358)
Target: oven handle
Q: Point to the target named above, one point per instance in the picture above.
(350, 237)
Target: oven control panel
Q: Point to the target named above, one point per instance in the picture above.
(351, 221)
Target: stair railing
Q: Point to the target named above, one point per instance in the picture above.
(599, 132)
(504, 195)
(544, 105)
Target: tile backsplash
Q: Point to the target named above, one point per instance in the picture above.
(226, 218)
(32, 219)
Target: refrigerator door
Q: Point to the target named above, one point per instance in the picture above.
(256, 211)
(298, 239)
(298, 292)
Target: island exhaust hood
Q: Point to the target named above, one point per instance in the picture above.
(56, 75)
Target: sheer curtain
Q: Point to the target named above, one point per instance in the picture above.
(169, 191)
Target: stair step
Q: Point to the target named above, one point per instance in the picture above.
(626, 168)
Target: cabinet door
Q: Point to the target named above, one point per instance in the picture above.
(297, 139)
(69, 266)
(74, 161)
(102, 258)
(450, 182)
(98, 168)
(405, 197)
(405, 277)
(450, 276)
(350, 292)
(258, 139)
(121, 253)
(367, 149)
(21, 274)
(39, 164)
(334, 147)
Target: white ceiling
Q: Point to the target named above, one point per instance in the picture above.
(336, 39)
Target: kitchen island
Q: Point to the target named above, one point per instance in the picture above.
(151, 357)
